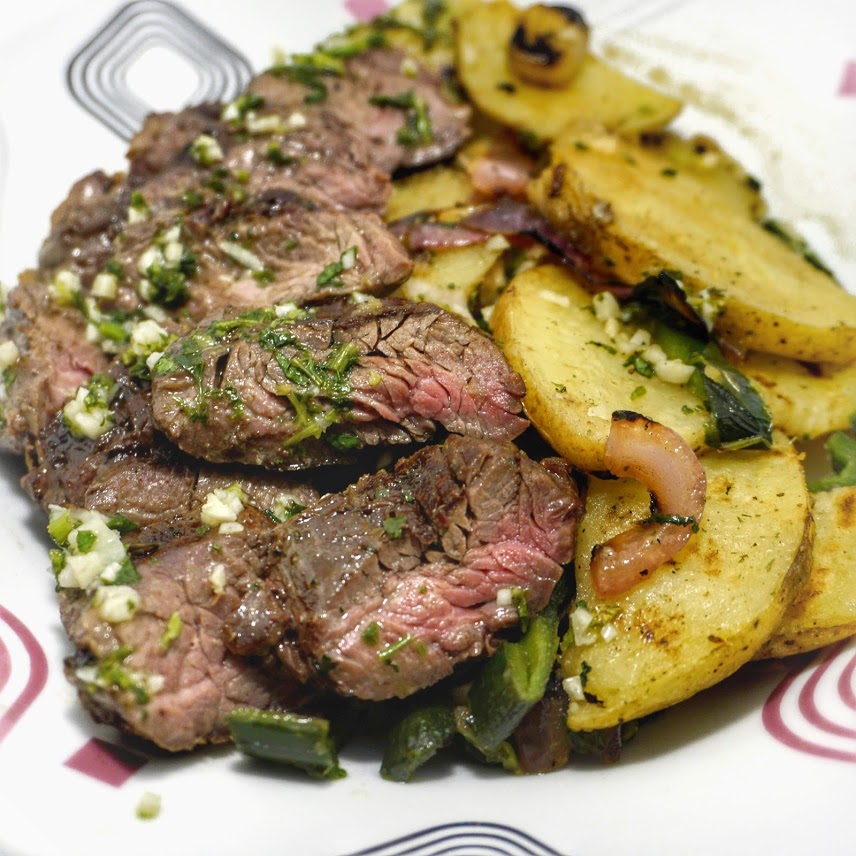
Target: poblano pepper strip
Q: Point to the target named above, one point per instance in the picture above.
(514, 679)
(739, 418)
(303, 742)
(416, 739)
(841, 449)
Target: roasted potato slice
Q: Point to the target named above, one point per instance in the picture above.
(420, 28)
(825, 609)
(710, 163)
(629, 208)
(598, 91)
(429, 191)
(806, 400)
(545, 323)
(448, 278)
(701, 616)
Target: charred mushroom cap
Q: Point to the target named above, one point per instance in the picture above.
(549, 45)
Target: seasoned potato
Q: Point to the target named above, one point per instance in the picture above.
(825, 609)
(597, 92)
(428, 38)
(702, 615)
(629, 208)
(711, 164)
(429, 191)
(545, 324)
(805, 400)
(448, 278)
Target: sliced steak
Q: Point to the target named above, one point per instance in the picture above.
(54, 360)
(165, 674)
(166, 137)
(393, 582)
(248, 205)
(287, 243)
(84, 224)
(131, 470)
(324, 161)
(399, 109)
(292, 392)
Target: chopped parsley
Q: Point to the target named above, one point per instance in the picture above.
(417, 127)
(394, 527)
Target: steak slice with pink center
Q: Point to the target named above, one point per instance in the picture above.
(314, 386)
(403, 576)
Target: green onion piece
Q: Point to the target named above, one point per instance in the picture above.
(416, 739)
(298, 741)
(122, 524)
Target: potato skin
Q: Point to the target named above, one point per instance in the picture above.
(628, 207)
(709, 611)
(825, 609)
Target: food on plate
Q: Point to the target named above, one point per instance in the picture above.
(633, 211)
(434, 381)
(806, 400)
(306, 388)
(423, 555)
(489, 60)
(824, 611)
(703, 613)
(548, 326)
(659, 459)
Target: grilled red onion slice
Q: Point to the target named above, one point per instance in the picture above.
(503, 168)
(417, 233)
(655, 455)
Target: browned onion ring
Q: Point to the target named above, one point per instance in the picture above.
(661, 459)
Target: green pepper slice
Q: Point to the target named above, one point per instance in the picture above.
(303, 742)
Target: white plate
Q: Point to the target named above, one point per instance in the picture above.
(764, 764)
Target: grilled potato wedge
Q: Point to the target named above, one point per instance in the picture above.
(599, 92)
(698, 618)
(545, 324)
(825, 609)
(630, 209)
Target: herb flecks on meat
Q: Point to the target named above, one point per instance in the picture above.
(316, 385)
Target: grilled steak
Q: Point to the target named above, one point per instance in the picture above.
(131, 470)
(400, 109)
(165, 673)
(312, 387)
(388, 585)
(249, 205)
(190, 574)
(55, 359)
(226, 298)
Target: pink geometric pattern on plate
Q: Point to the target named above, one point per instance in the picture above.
(36, 671)
(848, 80)
(365, 10)
(106, 762)
(813, 709)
